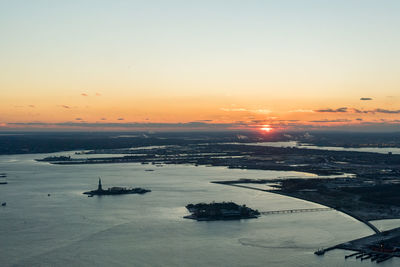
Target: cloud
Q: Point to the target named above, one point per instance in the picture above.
(103, 119)
(31, 106)
(203, 126)
(377, 110)
(84, 94)
(264, 111)
(359, 119)
(259, 121)
(338, 110)
(98, 94)
(387, 111)
(65, 106)
(354, 110)
(131, 126)
(78, 119)
(261, 111)
(361, 111)
(365, 98)
(120, 119)
(302, 110)
(337, 120)
(233, 109)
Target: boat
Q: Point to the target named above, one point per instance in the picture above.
(3, 181)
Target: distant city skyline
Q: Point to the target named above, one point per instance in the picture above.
(200, 65)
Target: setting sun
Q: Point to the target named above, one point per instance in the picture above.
(266, 128)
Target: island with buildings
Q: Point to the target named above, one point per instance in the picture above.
(115, 191)
(220, 211)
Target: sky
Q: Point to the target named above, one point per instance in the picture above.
(153, 65)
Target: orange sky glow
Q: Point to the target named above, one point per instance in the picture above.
(199, 65)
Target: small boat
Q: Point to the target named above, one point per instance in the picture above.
(4, 204)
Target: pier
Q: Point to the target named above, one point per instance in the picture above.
(294, 211)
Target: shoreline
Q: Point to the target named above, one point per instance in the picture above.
(367, 222)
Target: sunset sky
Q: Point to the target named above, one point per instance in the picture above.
(140, 65)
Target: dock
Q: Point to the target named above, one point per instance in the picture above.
(294, 211)
(378, 247)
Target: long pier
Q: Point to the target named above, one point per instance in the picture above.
(294, 211)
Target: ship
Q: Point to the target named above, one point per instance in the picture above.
(3, 178)
(115, 191)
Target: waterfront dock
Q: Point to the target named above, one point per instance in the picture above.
(378, 248)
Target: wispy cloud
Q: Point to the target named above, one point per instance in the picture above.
(98, 94)
(263, 111)
(78, 119)
(365, 98)
(387, 111)
(302, 111)
(259, 121)
(359, 111)
(120, 119)
(65, 106)
(84, 94)
(233, 109)
(329, 110)
(377, 110)
(195, 125)
(204, 126)
(328, 121)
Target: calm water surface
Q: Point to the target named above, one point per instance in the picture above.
(71, 229)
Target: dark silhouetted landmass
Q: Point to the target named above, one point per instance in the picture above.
(365, 199)
(115, 191)
(47, 142)
(220, 211)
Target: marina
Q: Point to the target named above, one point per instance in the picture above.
(378, 248)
